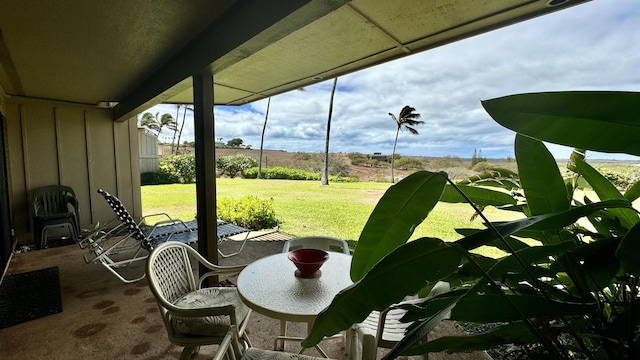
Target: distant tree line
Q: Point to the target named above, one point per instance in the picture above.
(477, 157)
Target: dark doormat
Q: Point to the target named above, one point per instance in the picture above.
(28, 296)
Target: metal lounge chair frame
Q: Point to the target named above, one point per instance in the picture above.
(123, 241)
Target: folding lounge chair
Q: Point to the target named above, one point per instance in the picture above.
(122, 241)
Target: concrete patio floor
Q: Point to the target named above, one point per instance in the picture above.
(102, 318)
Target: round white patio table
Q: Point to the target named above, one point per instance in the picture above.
(269, 286)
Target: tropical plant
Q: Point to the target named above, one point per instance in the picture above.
(567, 286)
(407, 119)
(155, 123)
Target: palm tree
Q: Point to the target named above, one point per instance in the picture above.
(149, 121)
(166, 120)
(264, 127)
(324, 180)
(175, 131)
(184, 115)
(406, 119)
(157, 122)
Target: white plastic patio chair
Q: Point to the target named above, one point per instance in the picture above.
(193, 316)
(384, 329)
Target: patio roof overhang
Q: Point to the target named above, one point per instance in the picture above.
(131, 56)
(128, 56)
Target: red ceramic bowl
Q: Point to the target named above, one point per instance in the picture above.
(308, 261)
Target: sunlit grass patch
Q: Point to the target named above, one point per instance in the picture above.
(307, 208)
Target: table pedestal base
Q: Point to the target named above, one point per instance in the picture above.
(278, 343)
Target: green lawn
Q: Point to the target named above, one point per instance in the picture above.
(307, 208)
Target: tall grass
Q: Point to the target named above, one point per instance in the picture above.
(308, 208)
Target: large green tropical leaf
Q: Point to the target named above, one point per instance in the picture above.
(490, 307)
(479, 195)
(517, 333)
(634, 192)
(606, 191)
(540, 177)
(513, 243)
(605, 121)
(539, 222)
(419, 330)
(494, 177)
(400, 210)
(402, 272)
(468, 271)
(628, 252)
(590, 266)
(531, 255)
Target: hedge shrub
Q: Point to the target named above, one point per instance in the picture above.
(157, 178)
(249, 211)
(293, 174)
(180, 167)
(281, 173)
(232, 165)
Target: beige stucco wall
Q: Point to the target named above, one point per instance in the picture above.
(59, 143)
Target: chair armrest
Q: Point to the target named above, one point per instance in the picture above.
(214, 269)
(220, 270)
(162, 214)
(227, 345)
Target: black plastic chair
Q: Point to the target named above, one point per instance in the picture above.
(54, 206)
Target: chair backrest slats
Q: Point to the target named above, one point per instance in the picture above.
(123, 215)
(54, 199)
(171, 271)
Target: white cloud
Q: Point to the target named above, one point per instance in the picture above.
(593, 46)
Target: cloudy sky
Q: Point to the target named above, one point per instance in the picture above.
(594, 46)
